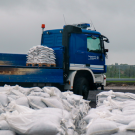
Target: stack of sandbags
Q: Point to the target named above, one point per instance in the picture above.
(32, 111)
(41, 54)
(117, 96)
(114, 115)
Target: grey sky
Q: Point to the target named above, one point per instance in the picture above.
(20, 24)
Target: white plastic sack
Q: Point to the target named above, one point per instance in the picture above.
(3, 100)
(53, 102)
(7, 132)
(41, 94)
(123, 119)
(36, 89)
(4, 125)
(22, 101)
(101, 127)
(122, 131)
(17, 93)
(131, 126)
(53, 91)
(35, 102)
(33, 122)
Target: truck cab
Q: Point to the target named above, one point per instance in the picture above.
(81, 54)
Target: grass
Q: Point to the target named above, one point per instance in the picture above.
(120, 81)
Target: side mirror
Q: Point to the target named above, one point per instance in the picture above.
(106, 50)
(106, 40)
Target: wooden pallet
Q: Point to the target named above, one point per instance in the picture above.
(40, 65)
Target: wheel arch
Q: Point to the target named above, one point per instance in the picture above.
(87, 73)
(83, 72)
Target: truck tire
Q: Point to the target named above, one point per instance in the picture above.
(81, 87)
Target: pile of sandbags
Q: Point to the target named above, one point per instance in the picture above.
(46, 111)
(114, 115)
(41, 54)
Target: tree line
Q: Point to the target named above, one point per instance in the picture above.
(120, 71)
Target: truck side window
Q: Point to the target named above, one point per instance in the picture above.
(93, 45)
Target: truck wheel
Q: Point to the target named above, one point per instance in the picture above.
(81, 87)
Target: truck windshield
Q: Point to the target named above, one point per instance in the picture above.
(93, 45)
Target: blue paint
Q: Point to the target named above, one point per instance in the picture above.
(13, 59)
(33, 75)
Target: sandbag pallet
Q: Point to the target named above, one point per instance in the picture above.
(40, 65)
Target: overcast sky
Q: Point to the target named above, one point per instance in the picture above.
(20, 23)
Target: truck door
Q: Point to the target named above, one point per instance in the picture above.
(80, 49)
(95, 57)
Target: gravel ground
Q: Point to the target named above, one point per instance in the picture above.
(92, 94)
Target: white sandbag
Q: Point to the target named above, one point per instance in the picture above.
(53, 91)
(5, 90)
(70, 131)
(101, 127)
(128, 108)
(128, 112)
(122, 131)
(13, 107)
(69, 124)
(123, 99)
(117, 111)
(131, 95)
(35, 102)
(34, 124)
(36, 89)
(3, 100)
(76, 98)
(22, 101)
(131, 126)
(17, 93)
(121, 94)
(104, 107)
(47, 90)
(84, 107)
(94, 114)
(53, 102)
(125, 133)
(41, 94)
(10, 99)
(67, 93)
(71, 101)
(67, 105)
(106, 94)
(89, 117)
(56, 92)
(115, 104)
(7, 132)
(13, 96)
(123, 119)
(101, 99)
(25, 91)
(4, 125)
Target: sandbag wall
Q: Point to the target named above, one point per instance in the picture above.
(114, 115)
(36, 111)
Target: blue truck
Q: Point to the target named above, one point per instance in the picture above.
(80, 61)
